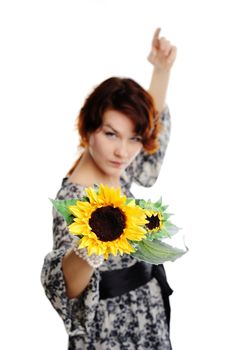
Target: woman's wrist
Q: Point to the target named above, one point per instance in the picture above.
(93, 260)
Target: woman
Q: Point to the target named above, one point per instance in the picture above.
(118, 303)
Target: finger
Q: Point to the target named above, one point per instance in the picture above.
(151, 56)
(155, 40)
(172, 56)
(165, 46)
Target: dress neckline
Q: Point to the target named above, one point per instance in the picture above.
(65, 182)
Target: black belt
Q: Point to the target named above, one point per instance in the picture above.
(117, 282)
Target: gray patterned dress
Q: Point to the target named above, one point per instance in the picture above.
(134, 320)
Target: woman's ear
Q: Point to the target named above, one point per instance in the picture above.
(84, 141)
(87, 139)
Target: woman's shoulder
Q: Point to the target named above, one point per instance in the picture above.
(70, 190)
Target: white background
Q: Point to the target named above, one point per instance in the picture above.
(52, 54)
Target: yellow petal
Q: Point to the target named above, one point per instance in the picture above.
(84, 242)
(77, 228)
(78, 209)
(92, 195)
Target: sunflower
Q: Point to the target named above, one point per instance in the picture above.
(107, 222)
(153, 249)
(155, 220)
(158, 224)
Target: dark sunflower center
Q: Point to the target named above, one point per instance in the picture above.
(153, 222)
(107, 223)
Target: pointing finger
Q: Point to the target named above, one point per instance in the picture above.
(155, 41)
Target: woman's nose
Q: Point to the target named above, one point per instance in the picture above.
(122, 150)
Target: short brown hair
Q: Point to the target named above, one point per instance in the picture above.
(126, 96)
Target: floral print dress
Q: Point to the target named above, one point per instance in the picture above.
(134, 320)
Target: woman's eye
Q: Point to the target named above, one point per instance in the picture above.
(136, 139)
(110, 134)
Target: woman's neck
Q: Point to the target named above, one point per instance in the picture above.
(86, 173)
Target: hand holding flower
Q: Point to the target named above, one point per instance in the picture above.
(105, 222)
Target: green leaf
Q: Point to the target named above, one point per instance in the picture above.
(171, 228)
(157, 252)
(160, 234)
(62, 208)
(165, 216)
(128, 200)
(141, 202)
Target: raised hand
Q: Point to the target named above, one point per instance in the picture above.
(163, 53)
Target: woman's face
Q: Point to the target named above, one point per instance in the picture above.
(114, 145)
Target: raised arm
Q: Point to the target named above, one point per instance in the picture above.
(144, 170)
(162, 57)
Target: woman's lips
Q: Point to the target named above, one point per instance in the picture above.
(117, 164)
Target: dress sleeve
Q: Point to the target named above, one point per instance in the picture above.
(77, 313)
(145, 168)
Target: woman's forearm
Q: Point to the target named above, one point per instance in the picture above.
(158, 87)
(77, 274)
(162, 57)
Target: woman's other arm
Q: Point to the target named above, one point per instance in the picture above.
(145, 169)
(162, 57)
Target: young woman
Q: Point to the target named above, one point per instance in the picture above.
(118, 303)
